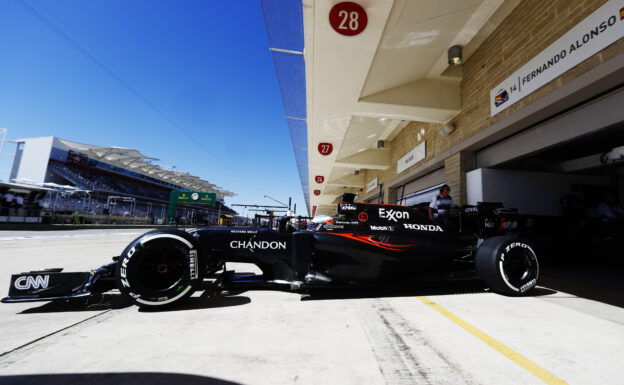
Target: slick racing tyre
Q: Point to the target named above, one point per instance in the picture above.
(508, 265)
(160, 268)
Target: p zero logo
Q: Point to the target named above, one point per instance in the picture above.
(363, 217)
(30, 282)
(123, 270)
(393, 215)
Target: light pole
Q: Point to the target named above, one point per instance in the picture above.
(281, 203)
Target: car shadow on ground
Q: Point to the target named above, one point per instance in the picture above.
(98, 302)
(112, 379)
(212, 297)
(408, 290)
(208, 299)
(589, 290)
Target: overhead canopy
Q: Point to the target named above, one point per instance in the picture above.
(132, 160)
(364, 88)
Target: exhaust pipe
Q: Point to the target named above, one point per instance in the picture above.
(316, 277)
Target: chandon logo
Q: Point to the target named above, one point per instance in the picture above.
(393, 215)
(29, 282)
(263, 245)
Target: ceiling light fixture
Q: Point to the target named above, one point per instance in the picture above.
(455, 55)
(447, 129)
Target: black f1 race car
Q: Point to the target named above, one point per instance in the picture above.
(364, 243)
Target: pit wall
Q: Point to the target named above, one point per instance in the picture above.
(531, 27)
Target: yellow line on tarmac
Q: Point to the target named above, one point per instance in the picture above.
(516, 357)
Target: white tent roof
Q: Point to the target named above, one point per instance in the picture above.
(132, 160)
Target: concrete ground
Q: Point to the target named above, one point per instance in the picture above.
(426, 334)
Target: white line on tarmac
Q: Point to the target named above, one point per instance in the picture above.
(59, 236)
(53, 333)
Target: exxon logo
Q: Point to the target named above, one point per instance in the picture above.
(30, 282)
(393, 215)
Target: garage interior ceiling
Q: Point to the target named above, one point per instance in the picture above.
(366, 88)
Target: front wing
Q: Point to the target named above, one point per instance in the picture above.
(53, 284)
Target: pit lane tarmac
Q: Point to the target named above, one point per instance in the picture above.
(425, 334)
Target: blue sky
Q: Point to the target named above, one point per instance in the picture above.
(204, 64)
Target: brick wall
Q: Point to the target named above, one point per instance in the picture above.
(531, 27)
(455, 167)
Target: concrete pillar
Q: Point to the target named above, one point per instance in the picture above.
(455, 168)
(390, 196)
(386, 195)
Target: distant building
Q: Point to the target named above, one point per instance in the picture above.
(107, 174)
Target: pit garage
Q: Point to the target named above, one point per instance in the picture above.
(580, 147)
(557, 174)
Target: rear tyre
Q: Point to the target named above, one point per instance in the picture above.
(508, 265)
(159, 269)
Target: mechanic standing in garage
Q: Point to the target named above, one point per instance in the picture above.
(441, 202)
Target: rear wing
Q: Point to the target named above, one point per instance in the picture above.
(487, 219)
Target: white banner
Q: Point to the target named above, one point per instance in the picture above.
(417, 154)
(370, 186)
(596, 32)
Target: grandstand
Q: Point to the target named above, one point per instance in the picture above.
(90, 179)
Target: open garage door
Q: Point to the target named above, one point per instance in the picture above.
(420, 190)
(560, 175)
(535, 168)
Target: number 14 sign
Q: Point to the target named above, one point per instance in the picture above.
(348, 18)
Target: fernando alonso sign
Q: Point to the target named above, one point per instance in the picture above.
(596, 32)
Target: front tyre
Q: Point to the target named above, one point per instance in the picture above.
(508, 265)
(159, 269)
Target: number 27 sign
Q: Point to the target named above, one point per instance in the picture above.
(325, 148)
(348, 18)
